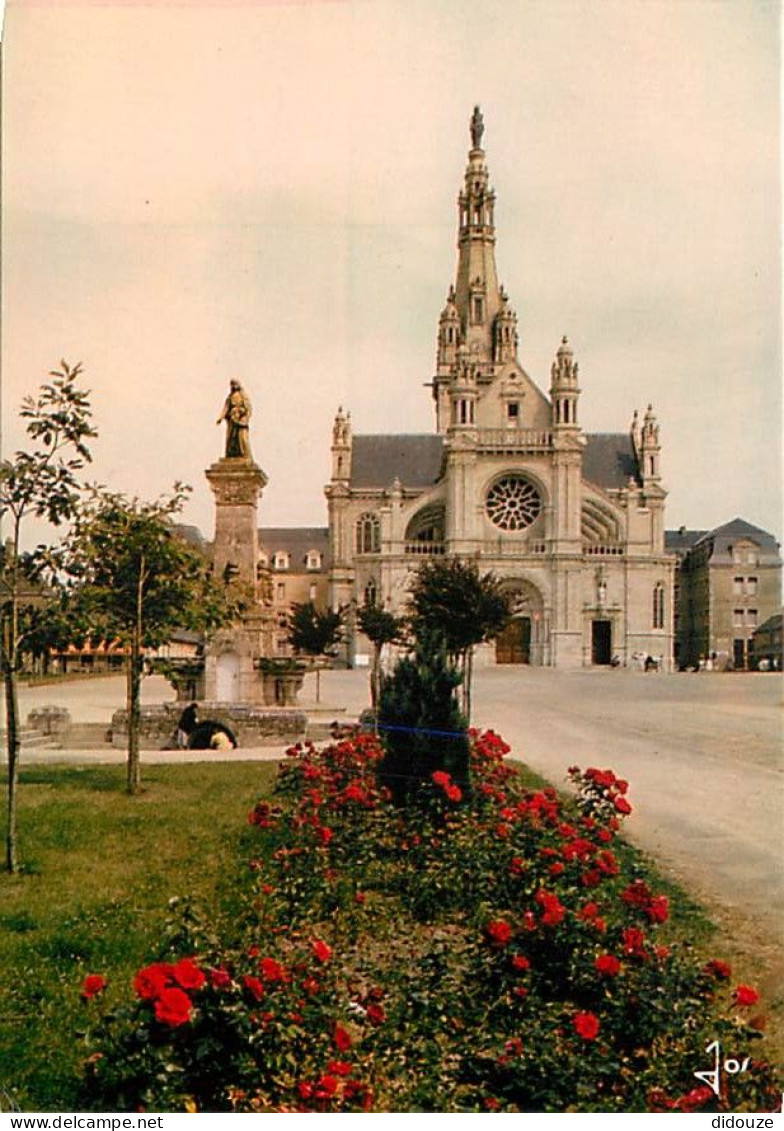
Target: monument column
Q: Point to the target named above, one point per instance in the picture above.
(237, 482)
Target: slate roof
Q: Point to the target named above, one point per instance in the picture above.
(722, 538)
(295, 541)
(609, 460)
(414, 460)
(681, 541)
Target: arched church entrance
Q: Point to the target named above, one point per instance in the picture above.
(524, 638)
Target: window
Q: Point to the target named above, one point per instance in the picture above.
(737, 586)
(751, 556)
(280, 590)
(751, 586)
(313, 560)
(658, 605)
(281, 645)
(478, 310)
(368, 534)
(751, 617)
(312, 592)
(513, 412)
(513, 503)
(737, 618)
(281, 560)
(371, 592)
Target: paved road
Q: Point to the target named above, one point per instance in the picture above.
(702, 753)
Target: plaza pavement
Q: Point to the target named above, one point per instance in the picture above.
(702, 753)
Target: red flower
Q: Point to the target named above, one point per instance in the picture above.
(150, 982)
(622, 805)
(557, 868)
(173, 1007)
(255, 985)
(220, 979)
(520, 962)
(326, 1087)
(359, 897)
(321, 951)
(271, 970)
(589, 911)
(93, 985)
(634, 942)
(718, 968)
(342, 1038)
(554, 911)
(339, 1068)
(324, 834)
(586, 1025)
(498, 932)
(188, 975)
(375, 1013)
(440, 777)
(454, 792)
(746, 995)
(608, 964)
(658, 910)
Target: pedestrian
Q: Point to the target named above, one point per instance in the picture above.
(186, 726)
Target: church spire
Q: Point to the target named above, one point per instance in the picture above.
(477, 294)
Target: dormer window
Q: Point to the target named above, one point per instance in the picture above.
(313, 560)
(281, 560)
(513, 412)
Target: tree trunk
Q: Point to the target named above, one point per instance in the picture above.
(133, 768)
(318, 682)
(468, 668)
(12, 724)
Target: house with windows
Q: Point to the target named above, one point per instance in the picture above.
(728, 583)
(294, 563)
(572, 522)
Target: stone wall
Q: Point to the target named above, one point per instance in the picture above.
(251, 725)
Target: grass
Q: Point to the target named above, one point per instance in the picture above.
(99, 869)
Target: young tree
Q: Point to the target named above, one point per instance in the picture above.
(421, 722)
(381, 628)
(41, 482)
(135, 580)
(451, 598)
(315, 632)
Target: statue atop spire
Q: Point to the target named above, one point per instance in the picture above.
(477, 128)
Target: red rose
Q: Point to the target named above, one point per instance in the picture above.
(359, 897)
(586, 1025)
(375, 1013)
(220, 979)
(440, 777)
(658, 910)
(342, 1038)
(271, 970)
(718, 968)
(326, 1087)
(622, 805)
(608, 964)
(321, 951)
(150, 982)
(188, 975)
(746, 995)
(254, 985)
(520, 962)
(93, 985)
(324, 834)
(498, 932)
(454, 792)
(339, 1068)
(173, 1007)
(634, 942)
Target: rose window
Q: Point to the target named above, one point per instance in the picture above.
(513, 503)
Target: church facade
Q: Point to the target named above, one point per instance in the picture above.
(571, 522)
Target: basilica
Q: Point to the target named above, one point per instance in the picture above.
(571, 522)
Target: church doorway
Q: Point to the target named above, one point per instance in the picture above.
(227, 683)
(513, 645)
(601, 642)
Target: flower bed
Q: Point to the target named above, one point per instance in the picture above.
(503, 951)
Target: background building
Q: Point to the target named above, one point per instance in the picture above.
(573, 523)
(295, 562)
(728, 584)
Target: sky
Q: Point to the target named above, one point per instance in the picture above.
(267, 191)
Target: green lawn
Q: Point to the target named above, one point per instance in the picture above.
(99, 870)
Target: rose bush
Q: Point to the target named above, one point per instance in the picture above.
(495, 950)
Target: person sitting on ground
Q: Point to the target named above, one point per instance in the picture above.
(186, 725)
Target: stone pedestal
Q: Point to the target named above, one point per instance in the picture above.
(230, 675)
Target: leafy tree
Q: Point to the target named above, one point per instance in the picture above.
(135, 580)
(419, 715)
(381, 628)
(450, 598)
(40, 482)
(315, 632)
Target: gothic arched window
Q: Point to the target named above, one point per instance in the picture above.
(658, 605)
(368, 534)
